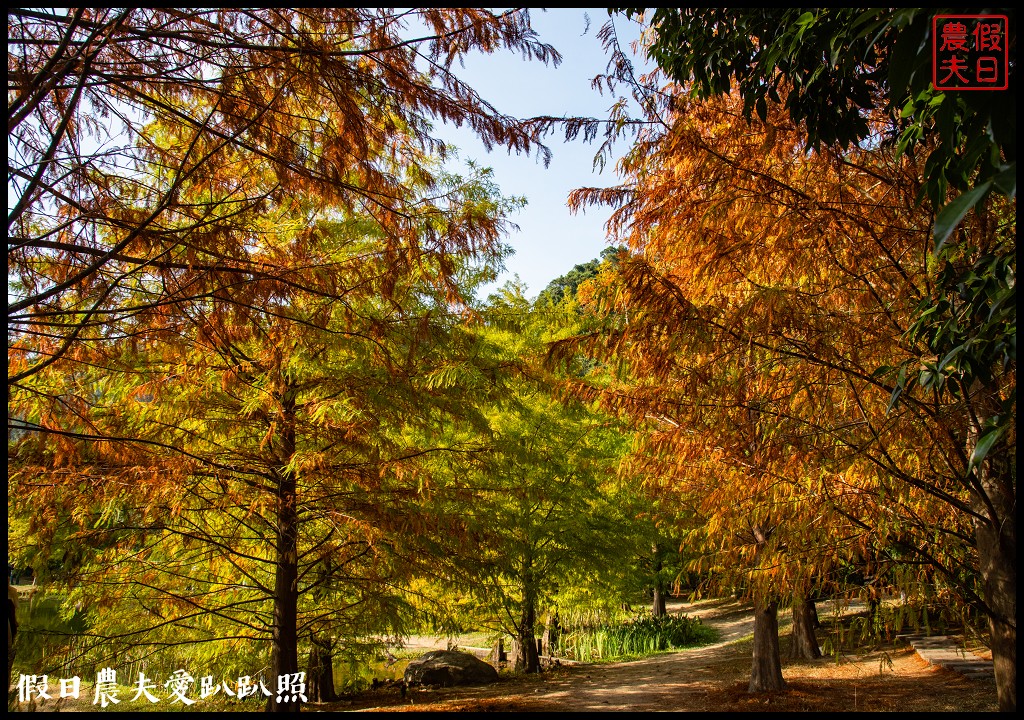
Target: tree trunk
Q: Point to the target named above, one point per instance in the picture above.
(766, 669)
(658, 603)
(528, 659)
(996, 536)
(998, 556)
(658, 600)
(552, 628)
(320, 670)
(285, 655)
(766, 672)
(805, 619)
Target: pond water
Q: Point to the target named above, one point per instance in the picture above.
(356, 676)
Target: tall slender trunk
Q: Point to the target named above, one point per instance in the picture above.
(658, 601)
(997, 552)
(766, 672)
(285, 655)
(528, 660)
(805, 619)
(766, 668)
(320, 670)
(552, 629)
(996, 536)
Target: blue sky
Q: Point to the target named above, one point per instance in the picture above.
(550, 239)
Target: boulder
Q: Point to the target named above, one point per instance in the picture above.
(449, 667)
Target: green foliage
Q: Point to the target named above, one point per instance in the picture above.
(757, 48)
(566, 286)
(842, 633)
(46, 639)
(535, 507)
(643, 635)
(355, 675)
(327, 380)
(837, 64)
(985, 297)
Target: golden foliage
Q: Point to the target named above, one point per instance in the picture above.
(764, 287)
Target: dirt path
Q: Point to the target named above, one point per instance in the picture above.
(656, 683)
(709, 678)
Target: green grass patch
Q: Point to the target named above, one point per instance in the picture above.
(639, 637)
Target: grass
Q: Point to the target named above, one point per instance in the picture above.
(639, 637)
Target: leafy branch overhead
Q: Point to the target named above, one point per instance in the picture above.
(830, 68)
(114, 113)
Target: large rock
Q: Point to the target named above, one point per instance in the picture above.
(449, 667)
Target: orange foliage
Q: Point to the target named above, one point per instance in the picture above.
(136, 134)
(763, 288)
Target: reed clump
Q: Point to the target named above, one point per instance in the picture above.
(640, 636)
